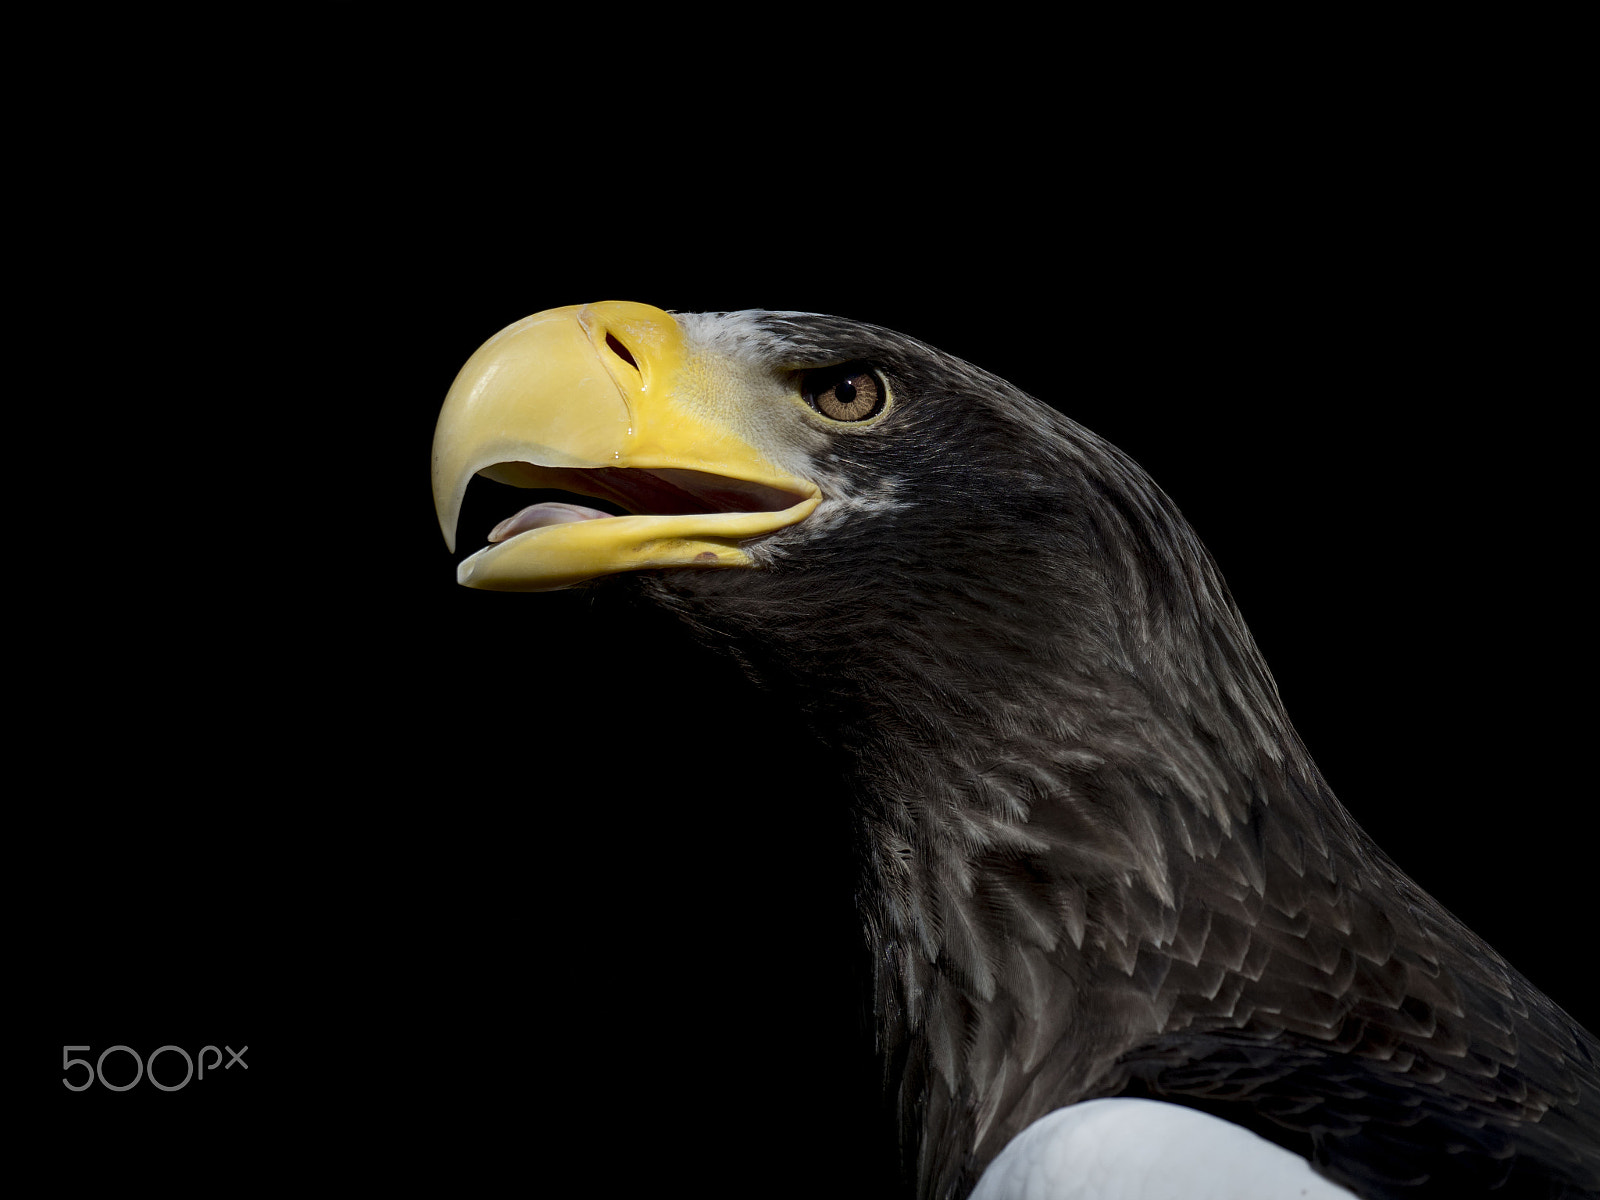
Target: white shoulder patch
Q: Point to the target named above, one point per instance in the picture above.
(1124, 1149)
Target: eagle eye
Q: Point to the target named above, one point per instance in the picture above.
(850, 392)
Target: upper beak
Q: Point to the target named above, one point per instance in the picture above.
(595, 399)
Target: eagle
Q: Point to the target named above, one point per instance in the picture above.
(1118, 921)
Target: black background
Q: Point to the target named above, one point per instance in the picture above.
(499, 883)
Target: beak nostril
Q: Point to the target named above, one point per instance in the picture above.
(620, 350)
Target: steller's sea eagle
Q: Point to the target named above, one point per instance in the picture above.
(1110, 900)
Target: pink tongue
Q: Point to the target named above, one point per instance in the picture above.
(537, 516)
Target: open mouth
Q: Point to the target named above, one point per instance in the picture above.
(634, 471)
(592, 521)
(661, 492)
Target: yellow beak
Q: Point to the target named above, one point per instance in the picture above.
(603, 400)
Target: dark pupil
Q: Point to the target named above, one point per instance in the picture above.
(845, 392)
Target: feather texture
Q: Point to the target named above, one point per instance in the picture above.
(1096, 858)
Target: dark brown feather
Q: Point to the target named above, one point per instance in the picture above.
(1097, 859)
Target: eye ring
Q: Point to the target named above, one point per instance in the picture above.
(849, 393)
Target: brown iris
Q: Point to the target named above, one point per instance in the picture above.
(848, 393)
